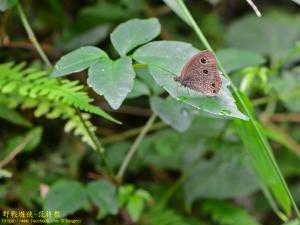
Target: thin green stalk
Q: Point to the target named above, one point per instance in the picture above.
(242, 103)
(171, 191)
(32, 36)
(134, 147)
(15, 151)
(272, 202)
(44, 57)
(97, 144)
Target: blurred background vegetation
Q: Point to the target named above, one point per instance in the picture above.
(194, 172)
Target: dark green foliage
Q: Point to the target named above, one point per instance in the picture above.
(66, 197)
(30, 88)
(193, 159)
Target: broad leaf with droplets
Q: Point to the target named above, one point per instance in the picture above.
(177, 114)
(165, 60)
(113, 79)
(77, 60)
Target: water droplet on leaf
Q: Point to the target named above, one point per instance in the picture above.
(184, 112)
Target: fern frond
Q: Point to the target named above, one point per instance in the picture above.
(34, 83)
(31, 88)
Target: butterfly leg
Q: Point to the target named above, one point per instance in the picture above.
(187, 89)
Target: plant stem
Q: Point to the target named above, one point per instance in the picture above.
(97, 144)
(171, 191)
(15, 151)
(32, 36)
(44, 57)
(134, 147)
(239, 98)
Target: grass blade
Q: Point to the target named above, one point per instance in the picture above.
(254, 140)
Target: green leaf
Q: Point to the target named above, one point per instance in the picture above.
(125, 192)
(169, 216)
(133, 199)
(224, 175)
(162, 150)
(104, 195)
(174, 5)
(77, 60)
(287, 161)
(234, 59)
(166, 149)
(88, 37)
(135, 207)
(133, 33)
(66, 197)
(36, 134)
(276, 36)
(251, 128)
(297, 1)
(263, 160)
(287, 88)
(7, 4)
(144, 74)
(225, 213)
(13, 116)
(113, 79)
(35, 139)
(175, 113)
(165, 60)
(293, 222)
(139, 89)
(105, 11)
(28, 190)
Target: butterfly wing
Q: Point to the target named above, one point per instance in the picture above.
(201, 74)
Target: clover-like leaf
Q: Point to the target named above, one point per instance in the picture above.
(77, 60)
(165, 59)
(113, 79)
(133, 33)
(175, 113)
(66, 197)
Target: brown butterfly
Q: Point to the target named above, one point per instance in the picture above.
(200, 74)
